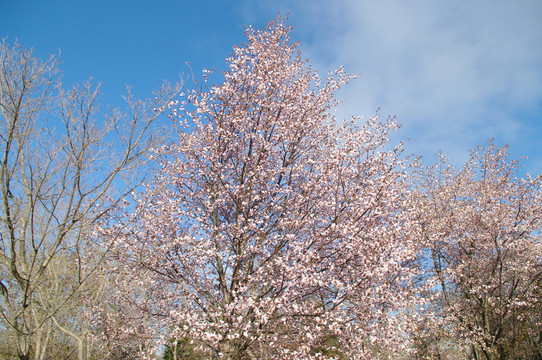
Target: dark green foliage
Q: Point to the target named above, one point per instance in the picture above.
(329, 346)
(185, 350)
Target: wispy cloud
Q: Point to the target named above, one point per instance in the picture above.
(455, 72)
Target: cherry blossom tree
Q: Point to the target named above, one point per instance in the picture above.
(274, 232)
(482, 226)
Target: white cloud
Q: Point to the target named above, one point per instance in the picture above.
(455, 72)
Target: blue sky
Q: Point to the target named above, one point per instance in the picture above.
(455, 73)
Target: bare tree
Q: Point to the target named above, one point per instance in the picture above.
(63, 166)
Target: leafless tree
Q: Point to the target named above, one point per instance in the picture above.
(63, 165)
